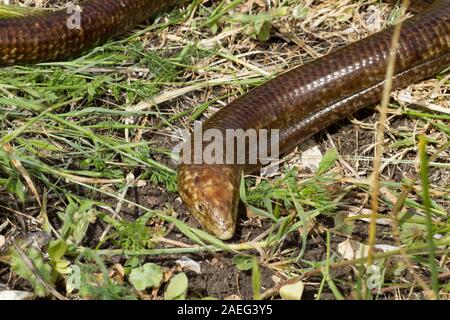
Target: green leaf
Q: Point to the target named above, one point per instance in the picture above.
(42, 144)
(342, 225)
(292, 291)
(14, 185)
(412, 233)
(57, 249)
(131, 263)
(74, 279)
(177, 288)
(149, 275)
(214, 28)
(328, 161)
(63, 266)
(256, 280)
(77, 218)
(242, 193)
(84, 216)
(243, 262)
(43, 269)
(263, 26)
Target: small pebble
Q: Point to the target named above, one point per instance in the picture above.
(2, 241)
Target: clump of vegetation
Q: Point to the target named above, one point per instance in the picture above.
(88, 203)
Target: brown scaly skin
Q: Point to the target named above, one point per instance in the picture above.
(212, 197)
(307, 99)
(47, 37)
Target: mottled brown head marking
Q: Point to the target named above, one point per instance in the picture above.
(211, 193)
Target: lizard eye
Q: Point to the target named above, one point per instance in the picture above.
(200, 207)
